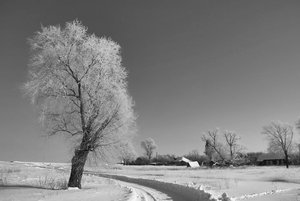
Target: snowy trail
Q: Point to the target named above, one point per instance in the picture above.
(152, 190)
(140, 193)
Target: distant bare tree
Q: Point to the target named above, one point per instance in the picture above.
(280, 136)
(194, 153)
(212, 137)
(149, 145)
(127, 154)
(79, 85)
(231, 139)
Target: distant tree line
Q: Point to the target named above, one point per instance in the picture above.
(250, 158)
(223, 148)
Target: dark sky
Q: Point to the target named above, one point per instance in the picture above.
(193, 66)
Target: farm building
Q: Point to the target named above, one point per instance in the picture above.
(271, 159)
(193, 164)
(187, 162)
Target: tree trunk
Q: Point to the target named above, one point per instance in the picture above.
(231, 153)
(286, 160)
(78, 162)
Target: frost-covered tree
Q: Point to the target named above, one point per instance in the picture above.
(127, 154)
(148, 145)
(280, 136)
(78, 83)
(231, 139)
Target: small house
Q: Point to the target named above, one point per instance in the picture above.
(182, 161)
(271, 159)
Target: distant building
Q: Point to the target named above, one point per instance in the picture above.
(193, 164)
(271, 159)
(186, 162)
(183, 159)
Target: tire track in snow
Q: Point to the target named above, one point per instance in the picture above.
(139, 194)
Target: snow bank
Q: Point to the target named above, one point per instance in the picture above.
(176, 191)
(259, 194)
(132, 194)
(73, 188)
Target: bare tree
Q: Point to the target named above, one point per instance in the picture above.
(148, 145)
(128, 153)
(212, 137)
(79, 85)
(280, 136)
(231, 139)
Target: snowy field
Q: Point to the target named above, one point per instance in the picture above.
(48, 181)
(21, 181)
(244, 183)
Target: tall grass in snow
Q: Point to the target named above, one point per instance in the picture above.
(50, 182)
(12, 174)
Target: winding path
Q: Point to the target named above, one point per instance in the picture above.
(152, 190)
(141, 193)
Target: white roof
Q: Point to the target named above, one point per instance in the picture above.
(184, 159)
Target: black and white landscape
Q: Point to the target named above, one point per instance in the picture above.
(149, 100)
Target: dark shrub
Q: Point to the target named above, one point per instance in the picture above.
(142, 161)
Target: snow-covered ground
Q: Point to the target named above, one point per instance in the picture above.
(33, 181)
(244, 183)
(21, 181)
